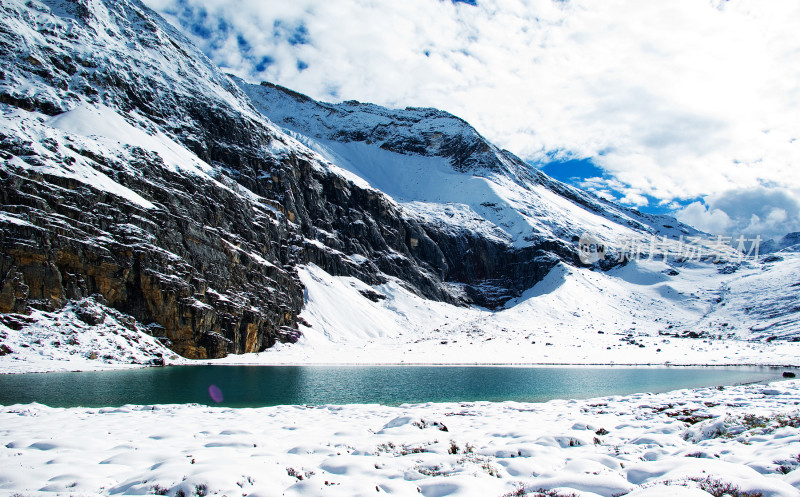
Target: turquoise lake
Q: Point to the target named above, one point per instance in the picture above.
(254, 386)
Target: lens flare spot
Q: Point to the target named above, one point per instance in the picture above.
(215, 393)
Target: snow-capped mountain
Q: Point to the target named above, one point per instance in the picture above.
(439, 167)
(496, 220)
(414, 156)
(223, 217)
(788, 243)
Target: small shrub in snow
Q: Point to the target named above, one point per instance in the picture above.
(159, 490)
(406, 449)
(435, 470)
(299, 475)
(403, 450)
(790, 420)
(491, 470)
(719, 488)
(752, 421)
(422, 424)
(455, 449)
(386, 447)
(521, 491)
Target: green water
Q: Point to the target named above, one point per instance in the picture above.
(252, 386)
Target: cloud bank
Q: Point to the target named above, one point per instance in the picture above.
(754, 211)
(682, 103)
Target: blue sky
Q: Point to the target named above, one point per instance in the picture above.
(685, 107)
(582, 172)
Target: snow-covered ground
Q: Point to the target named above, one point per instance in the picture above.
(671, 444)
(640, 313)
(82, 336)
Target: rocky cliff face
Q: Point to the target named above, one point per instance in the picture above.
(134, 170)
(188, 267)
(204, 262)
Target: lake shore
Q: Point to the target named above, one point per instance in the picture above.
(675, 444)
(566, 326)
(609, 350)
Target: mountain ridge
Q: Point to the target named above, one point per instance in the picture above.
(427, 132)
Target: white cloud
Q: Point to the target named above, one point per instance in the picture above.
(769, 212)
(676, 100)
(704, 218)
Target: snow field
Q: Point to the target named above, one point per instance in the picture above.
(672, 444)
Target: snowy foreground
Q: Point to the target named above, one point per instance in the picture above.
(742, 439)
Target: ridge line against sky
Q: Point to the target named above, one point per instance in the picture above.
(686, 107)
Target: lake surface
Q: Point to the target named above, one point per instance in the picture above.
(253, 386)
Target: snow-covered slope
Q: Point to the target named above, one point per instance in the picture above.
(764, 300)
(83, 335)
(637, 312)
(646, 312)
(789, 243)
(443, 171)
